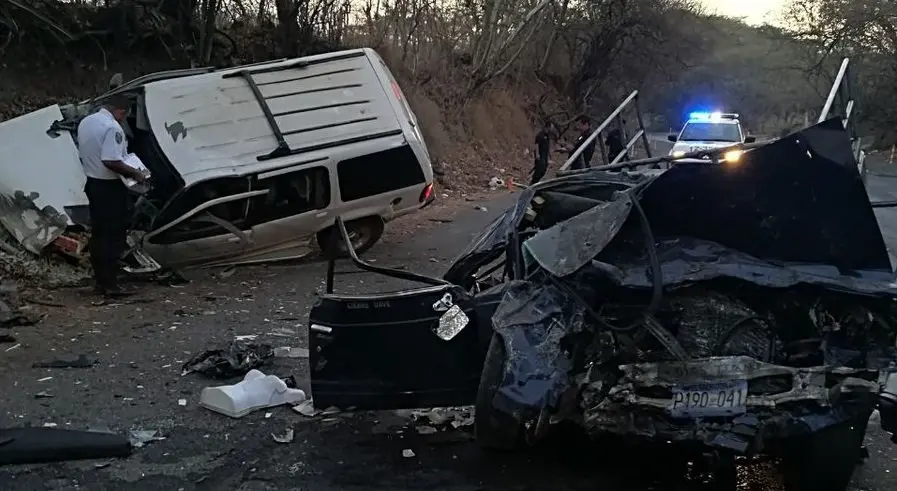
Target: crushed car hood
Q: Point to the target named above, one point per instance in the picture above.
(799, 200)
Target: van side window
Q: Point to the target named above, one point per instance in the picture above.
(378, 173)
(291, 194)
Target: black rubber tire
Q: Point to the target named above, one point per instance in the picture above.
(825, 460)
(331, 243)
(494, 429)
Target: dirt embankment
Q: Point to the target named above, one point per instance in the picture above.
(470, 139)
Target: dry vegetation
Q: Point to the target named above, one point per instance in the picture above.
(479, 73)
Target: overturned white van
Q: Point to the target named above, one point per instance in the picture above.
(248, 164)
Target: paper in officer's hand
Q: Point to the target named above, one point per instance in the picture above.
(133, 161)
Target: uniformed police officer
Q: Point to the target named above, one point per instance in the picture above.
(102, 147)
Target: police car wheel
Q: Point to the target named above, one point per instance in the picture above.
(363, 233)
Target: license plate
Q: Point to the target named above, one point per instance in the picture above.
(709, 400)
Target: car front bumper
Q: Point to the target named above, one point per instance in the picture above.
(782, 402)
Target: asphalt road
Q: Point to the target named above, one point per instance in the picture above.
(136, 383)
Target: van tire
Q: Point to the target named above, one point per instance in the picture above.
(331, 242)
(494, 429)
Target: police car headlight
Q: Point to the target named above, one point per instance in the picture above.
(733, 155)
(678, 153)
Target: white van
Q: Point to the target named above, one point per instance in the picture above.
(249, 164)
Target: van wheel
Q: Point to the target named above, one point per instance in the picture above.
(363, 233)
(494, 429)
(825, 460)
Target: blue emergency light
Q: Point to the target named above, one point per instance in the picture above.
(714, 116)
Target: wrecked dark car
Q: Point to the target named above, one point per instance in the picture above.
(739, 309)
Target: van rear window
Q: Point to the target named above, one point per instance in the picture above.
(378, 173)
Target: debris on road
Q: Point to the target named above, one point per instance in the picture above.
(49, 444)
(408, 453)
(256, 391)
(182, 402)
(238, 359)
(80, 362)
(286, 437)
(43, 395)
(425, 430)
(140, 438)
(306, 408)
(290, 352)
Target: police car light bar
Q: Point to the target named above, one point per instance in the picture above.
(713, 116)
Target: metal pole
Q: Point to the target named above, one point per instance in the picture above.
(833, 92)
(595, 133)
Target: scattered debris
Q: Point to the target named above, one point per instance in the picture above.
(13, 346)
(407, 453)
(182, 402)
(50, 425)
(480, 208)
(81, 362)
(425, 430)
(288, 352)
(139, 438)
(306, 408)
(238, 359)
(330, 411)
(283, 332)
(256, 391)
(495, 183)
(227, 272)
(286, 437)
(44, 379)
(43, 395)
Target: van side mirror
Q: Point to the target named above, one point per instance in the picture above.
(750, 139)
(672, 138)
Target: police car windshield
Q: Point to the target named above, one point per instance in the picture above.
(710, 131)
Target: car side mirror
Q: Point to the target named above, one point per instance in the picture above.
(750, 139)
(672, 138)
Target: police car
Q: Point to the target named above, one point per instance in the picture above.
(707, 131)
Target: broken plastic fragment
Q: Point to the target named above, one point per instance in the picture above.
(306, 408)
(256, 391)
(290, 352)
(139, 438)
(407, 453)
(286, 437)
(425, 430)
(182, 402)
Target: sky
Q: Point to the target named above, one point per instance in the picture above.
(752, 11)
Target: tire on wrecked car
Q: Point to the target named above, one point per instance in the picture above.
(824, 460)
(331, 242)
(494, 429)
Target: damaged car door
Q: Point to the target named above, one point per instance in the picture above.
(205, 222)
(419, 347)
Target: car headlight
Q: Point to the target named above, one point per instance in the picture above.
(733, 155)
(677, 153)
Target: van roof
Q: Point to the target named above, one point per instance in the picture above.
(220, 123)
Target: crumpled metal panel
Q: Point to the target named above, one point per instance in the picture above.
(32, 227)
(531, 320)
(573, 243)
(688, 260)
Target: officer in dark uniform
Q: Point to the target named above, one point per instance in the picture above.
(584, 125)
(102, 147)
(541, 152)
(614, 142)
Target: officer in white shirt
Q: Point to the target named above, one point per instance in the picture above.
(102, 147)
